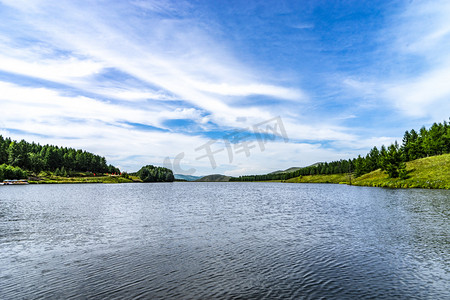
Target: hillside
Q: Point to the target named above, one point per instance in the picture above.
(430, 172)
(214, 178)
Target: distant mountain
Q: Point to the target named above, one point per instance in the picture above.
(277, 172)
(187, 177)
(215, 178)
(314, 165)
(293, 169)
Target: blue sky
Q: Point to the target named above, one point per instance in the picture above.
(142, 81)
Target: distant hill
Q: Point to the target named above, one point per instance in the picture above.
(293, 169)
(187, 177)
(214, 178)
(314, 165)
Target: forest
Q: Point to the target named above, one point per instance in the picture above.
(151, 173)
(19, 158)
(391, 159)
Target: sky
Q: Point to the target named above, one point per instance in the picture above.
(190, 84)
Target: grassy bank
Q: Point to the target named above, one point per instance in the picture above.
(334, 178)
(430, 172)
(49, 177)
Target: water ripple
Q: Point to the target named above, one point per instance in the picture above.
(223, 241)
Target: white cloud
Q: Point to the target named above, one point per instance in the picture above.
(177, 58)
(22, 104)
(48, 117)
(190, 65)
(424, 29)
(413, 54)
(59, 70)
(424, 37)
(427, 94)
(130, 94)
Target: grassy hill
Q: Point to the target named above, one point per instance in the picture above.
(430, 172)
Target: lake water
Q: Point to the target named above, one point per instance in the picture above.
(223, 241)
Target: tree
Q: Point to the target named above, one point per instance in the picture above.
(10, 172)
(393, 163)
(36, 163)
(51, 159)
(13, 154)
(360, 166)
(434, 143)
(447, 137)
(381, 158)
(372, 160)
(168, 177)
(414, 148)
(151, 173)
(4, 143)
(406, 146)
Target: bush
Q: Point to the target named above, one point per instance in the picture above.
(10, 172)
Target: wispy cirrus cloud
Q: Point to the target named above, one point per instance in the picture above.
(137, 72)
(423, 35)
(413, 54)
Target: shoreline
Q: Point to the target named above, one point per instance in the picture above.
(388, 184)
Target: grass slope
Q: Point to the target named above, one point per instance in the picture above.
(334, 178)
(430, 172)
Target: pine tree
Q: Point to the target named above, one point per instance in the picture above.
(393, 163)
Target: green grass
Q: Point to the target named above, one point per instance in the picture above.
(49, 177)
(334, 178)
(430, 172)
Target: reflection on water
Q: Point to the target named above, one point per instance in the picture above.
(223, 240)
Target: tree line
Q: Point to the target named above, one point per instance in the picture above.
(36, 158)
(391, 159)
(151, 173)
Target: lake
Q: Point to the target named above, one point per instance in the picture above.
(223, 241)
